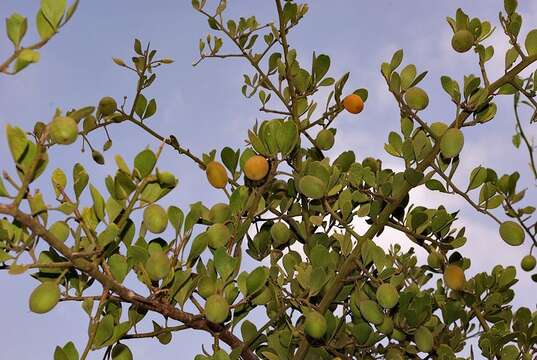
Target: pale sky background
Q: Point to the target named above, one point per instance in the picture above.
(204, 108)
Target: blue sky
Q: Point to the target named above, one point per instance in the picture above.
(202, 106)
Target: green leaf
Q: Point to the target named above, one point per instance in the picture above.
(140, 105)
(397, 58)
(70, 350)
(230, 158)
(151, 109)
(118, 267)
(3, 191)
(59, 181)
(80, 179)
(510, 6)
(16, 26)
(477, 177)
(321, 66)
(25, 58)
(286, 136)
(199, 245)
(105, 330)
(257, 279)
(408, 74)
(98, 202)
(224, 263)
(176, 217)
(53, 10)
(108, 235)
(531, 42)
(44, 28)
(17, 142)
(145, 162)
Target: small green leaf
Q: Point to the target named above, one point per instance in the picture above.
(118, 267)
(53, 10)
(531, 42)
(16, 26)
(145, 162)
(80, 179)
(98, 202)
(44, 28)
(151, 109)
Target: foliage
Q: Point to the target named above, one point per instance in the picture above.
(328, 292)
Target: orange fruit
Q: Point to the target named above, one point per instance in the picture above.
(216, 174)
(353, 103)
(454, 277)
(256, 168)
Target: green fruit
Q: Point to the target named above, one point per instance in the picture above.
(462, 41)
(386, 327)
(158, 265)
(371, 311)
(166, 179)
(325, 139)
(435, 259)
(424, 339)
(438, 128)
(206, 286)
(121, 352)
(107, 106)
(155, 218)
(528, 263)
(387, 296)
(63, 130)
(44, 297)
(60, 230)
(312, 187)
(220, 213)
(451, 143)
(218, 235)
(280, 234)
(512, 233)
(416, 98)
(315, 325)
(216, 309)
(394, 354)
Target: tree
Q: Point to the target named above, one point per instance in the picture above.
(327, 291)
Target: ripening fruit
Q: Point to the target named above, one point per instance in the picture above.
(158, 265)
(462, 41)
(528, 263)
(107, 106)
(218, 235)
(387, 295)
(371, 311)
(155, 218)
(512, 233)
(315, 325)
(435, 260)
(121, 352)
(216, 309)
(423, 339)
(353, 103)
(256, 168)
(325, 139)
(63, 130)
(44, 297)
(206, 286)
(280, 233)
(451, 143)
(220, 213)
(311, 186)
(454, 277)
(216, 174)
(416, 98)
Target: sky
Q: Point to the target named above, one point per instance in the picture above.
(203, 107)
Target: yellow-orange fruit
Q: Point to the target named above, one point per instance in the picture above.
(454, 277)
(256, 168)
(216, 174)
(353, 103)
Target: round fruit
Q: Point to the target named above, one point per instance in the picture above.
(216, 309)
(512, 233)
(60, 230)
(435, 260)
(155, 218)
(451, 142)
(424, 339)
(218, 235)
(44, 297)
(206, 286)
(107, 106)
(216, 174)
(416, 98)
(454, 277)
(312, 187)
(315, 325)
(220, 213)
(325, 139)
(371, 311)
(438, 128)
(353, 103)
(158, 265)
(63, 130)
(528, 263)
(256, 168)
(387, 296)
(121, 352)
(462, 41)
(280, 233)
